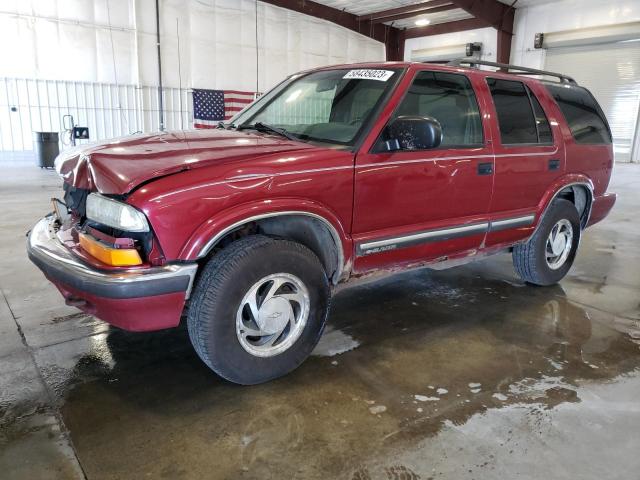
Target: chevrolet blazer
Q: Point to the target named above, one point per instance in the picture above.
(336, 173)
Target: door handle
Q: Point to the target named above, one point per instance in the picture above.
(485, 168)
(554, 164)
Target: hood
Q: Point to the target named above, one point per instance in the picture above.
(120, 165)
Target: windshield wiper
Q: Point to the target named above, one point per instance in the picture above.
(225, 126)
(265, 128)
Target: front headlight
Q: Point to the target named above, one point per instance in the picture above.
(115, 214)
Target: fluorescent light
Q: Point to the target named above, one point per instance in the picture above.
(422, 22)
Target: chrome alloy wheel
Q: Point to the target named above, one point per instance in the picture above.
(272, 315)
(559, 244)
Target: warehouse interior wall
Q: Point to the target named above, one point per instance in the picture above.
(97, 59)
(114, 41)
(451, 45)
(598, 43)
(562, 15)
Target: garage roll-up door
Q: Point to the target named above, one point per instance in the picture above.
(612, 72)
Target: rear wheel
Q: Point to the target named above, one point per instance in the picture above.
(548, 255)
(258, 309)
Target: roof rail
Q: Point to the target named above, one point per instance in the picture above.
(513, 69)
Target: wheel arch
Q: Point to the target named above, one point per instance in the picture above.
(578, 190)
(318, 230)
(582, 197)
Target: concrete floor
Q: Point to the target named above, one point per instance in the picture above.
(459, 374)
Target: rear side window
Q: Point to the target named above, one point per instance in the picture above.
(515, 112)
(542, 124)
(450, 99)
(581, 111)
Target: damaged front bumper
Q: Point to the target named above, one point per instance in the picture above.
(139, 299)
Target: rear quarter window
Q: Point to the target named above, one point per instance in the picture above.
(583, 114)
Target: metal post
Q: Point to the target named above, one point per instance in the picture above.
(179, 74)
(160, 101)
(19, 104)
(6, 87)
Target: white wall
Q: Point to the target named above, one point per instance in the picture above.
(72, 40)
(564, 15)
(438, 43)
(97, 59)
(218, 43)
(67, 40)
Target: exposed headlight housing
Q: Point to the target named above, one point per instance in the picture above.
(115, 214)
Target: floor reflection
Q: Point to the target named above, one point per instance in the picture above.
(462, 340)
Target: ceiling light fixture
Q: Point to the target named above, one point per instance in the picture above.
(422, 22)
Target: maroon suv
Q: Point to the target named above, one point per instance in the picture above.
(335, 173)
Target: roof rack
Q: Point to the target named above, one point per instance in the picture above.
(513, 69)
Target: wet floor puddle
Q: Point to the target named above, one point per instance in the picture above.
(402, 359)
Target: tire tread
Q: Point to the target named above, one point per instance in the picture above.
(209, 290)
(526, 256)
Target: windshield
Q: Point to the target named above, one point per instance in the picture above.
(327, 106)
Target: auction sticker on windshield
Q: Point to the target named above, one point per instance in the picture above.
(367, 74)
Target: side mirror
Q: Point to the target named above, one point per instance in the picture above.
(412, 132)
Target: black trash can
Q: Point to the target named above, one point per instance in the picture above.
(46, 148)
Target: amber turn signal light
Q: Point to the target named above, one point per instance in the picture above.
(117, 257)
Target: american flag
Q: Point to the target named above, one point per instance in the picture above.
(212, 106)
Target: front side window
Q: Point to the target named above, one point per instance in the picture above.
(584, 116)
(448, 98)
(329, 106)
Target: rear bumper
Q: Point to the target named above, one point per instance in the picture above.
(149, 298)
(601, 207)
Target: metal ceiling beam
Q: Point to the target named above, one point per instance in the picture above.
(313, 9)
(390, 36)
(503, 54)
(499, 16)
(408, 11)
(487, 13)
(496, 14)
(425, 11)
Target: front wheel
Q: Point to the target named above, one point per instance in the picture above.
(548, 255)
(258, 309)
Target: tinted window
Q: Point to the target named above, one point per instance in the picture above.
(582, 113)
(515, 116)
(449, 98)
(542, 124)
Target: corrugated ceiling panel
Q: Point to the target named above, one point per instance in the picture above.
(361, 7)
(526, 3)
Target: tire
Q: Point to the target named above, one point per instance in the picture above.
(218, 326)
(530, 259)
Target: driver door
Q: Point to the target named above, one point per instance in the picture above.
(413, 206)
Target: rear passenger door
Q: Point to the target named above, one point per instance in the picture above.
(529, 156)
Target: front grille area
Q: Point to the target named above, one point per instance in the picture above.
(76, 199)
